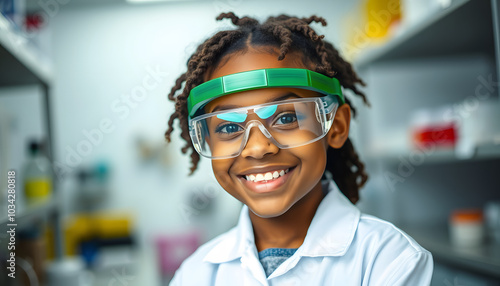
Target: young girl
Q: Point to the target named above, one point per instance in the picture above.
(264, 103)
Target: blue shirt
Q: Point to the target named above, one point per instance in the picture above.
(271, 258)
(342, 247)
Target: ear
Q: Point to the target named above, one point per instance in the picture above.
(339, 132)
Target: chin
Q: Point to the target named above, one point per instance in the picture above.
(269, 212)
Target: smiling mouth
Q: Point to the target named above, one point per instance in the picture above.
(265, 177)
(266, 182)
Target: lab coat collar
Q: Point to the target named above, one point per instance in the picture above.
(333, 226)
(330, 233)
(234, 243)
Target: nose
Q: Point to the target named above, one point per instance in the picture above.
(258, 145)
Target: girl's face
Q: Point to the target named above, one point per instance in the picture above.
(305, 164)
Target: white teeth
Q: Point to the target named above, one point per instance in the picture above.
(267, 176)
(259, 178)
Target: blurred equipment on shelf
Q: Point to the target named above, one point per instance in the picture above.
(37, 174)
(68, 271)
(174, 248)
(153, 151)
(31, 248)
(431, 127)
(478, 125)
(467, 228)
(492, 216)
(93, 186)
(86, 234)
(371, 23)
(464, 126)
(381, 17)
(104, 243)
(34, 22)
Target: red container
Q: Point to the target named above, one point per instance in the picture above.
(439, 135)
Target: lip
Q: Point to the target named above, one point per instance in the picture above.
(263, 186)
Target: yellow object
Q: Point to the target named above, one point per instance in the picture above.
(370, 23)
(77, 228)
(37, 188)
(87, 226)
(109, 227)
(380, 15)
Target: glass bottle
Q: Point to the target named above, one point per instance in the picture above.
(37, 175)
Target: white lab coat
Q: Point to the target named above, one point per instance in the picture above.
(342, 247)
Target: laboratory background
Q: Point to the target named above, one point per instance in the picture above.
(91, 193)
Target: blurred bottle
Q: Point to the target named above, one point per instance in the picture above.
(467, 227)
(37, 174)
(93, 187)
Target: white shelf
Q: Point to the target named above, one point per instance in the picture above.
(451, 30)
(21, 63)
(483, 152)
(484, 259)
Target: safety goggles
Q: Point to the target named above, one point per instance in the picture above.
(287, 124)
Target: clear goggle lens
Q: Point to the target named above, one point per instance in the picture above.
(287, 124)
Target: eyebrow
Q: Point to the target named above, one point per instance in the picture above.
(283, 97)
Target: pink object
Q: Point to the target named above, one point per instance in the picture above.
(173, 249)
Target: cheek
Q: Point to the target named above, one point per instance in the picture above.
(221, 169)
(313, 161)
(315, 152)
(221, 172)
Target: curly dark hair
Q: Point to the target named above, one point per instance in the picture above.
(289, 34)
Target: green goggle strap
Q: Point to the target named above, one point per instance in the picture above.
(262, 78)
